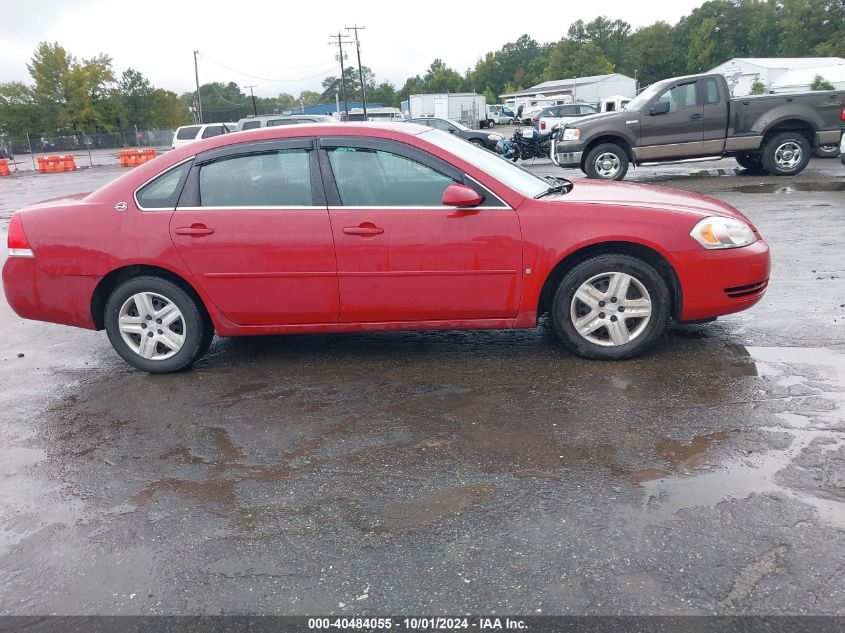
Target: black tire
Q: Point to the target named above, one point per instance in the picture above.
(491, 123)
(476, 141)
(776, 150)
(826, 151)
(196, 326)
(750, 162)
(619, 162)
(515, 155)
(644, 333)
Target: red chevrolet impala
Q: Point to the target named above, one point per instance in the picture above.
(356, 227)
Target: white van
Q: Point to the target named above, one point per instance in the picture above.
(271, 120)
(190, 133)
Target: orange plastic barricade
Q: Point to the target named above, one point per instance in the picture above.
(147, 155)
(67, 163)
(134, 157)
(4, 167)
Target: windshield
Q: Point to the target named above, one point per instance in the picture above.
(458, 125)
(644, 97)
(512, 175)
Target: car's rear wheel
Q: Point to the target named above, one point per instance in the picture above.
(786, 154)
(611, 307)
(606, 161)
(476, 141)
(750, 162)
(155, 326)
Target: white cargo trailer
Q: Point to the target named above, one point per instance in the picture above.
(467, 107)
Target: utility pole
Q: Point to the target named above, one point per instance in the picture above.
(360, 68)
(340, 42)
(254, 109)
(197, 77)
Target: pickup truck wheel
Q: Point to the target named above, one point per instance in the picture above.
(786, 154)
(826, 151)
(611, 307)
(750, 162)
(607, 161)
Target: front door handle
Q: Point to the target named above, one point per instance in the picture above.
(366, 229)
(196, 230)
(695, 117)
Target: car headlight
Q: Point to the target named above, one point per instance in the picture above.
(715, 233)
(494, 137)
(571, 134)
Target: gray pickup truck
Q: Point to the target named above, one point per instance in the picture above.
(695, 118)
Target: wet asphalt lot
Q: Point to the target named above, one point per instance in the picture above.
(450, 472)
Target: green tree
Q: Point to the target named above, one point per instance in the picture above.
(440, 78)
(134, 92)
(73, 94)
(811, 27)
(653, 54)
(820, 83)
(19, 114)
(384, 93)
(165, 110)
(758, 87)
(570, 59)
(611, 36)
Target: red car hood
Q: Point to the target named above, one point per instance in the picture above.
(651, 196)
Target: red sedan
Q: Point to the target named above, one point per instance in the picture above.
(357, 227)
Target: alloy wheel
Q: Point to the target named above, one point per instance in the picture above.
(611, 309)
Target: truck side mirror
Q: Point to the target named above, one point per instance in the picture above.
(661, 107)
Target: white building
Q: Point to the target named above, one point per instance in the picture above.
(583, 89)
(741, 72)
(800, 80)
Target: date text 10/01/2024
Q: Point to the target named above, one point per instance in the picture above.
(417, 624)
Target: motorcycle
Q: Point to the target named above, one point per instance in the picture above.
(526, 144)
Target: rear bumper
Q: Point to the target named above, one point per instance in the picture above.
(715, 283)
(33, 294)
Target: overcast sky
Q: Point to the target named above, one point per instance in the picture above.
(284, 46)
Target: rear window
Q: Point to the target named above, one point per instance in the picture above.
(711, 92)
(251, 125)
(588, 109)
(187, 133)
(274, 122)
(163, 192)
(213, 130)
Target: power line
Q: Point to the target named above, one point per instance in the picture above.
(340, 42)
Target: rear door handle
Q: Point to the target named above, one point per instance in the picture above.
(364, 230)
(197, 230)
(695, 117)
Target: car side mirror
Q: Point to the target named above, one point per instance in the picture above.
(461, 196)
(661, 107)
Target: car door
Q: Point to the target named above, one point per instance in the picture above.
(402, 255)
(253, 227)
(677, 133)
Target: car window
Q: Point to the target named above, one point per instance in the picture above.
(711, 91)
(679, 97)
(439, 124)
(280, 178)
(187, 133)
(569, 110)
(367, 177)
(274, 122)
(251, 125)
(163, 192)
(212, 130)
(588, 109)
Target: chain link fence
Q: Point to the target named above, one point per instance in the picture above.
(88, 149)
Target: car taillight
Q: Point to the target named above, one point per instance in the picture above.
(842, 114)
(17, 242)
(542, 125)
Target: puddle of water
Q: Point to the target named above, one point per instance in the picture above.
(818, 186)
(821, 420)
(403, 515)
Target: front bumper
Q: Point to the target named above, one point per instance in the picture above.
(567, 153)
(715, 283)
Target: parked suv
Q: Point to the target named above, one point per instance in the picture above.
(190, 133)
(271, 120)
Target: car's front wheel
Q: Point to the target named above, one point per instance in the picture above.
(607, 161)
(611, 307)
(156, 326)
